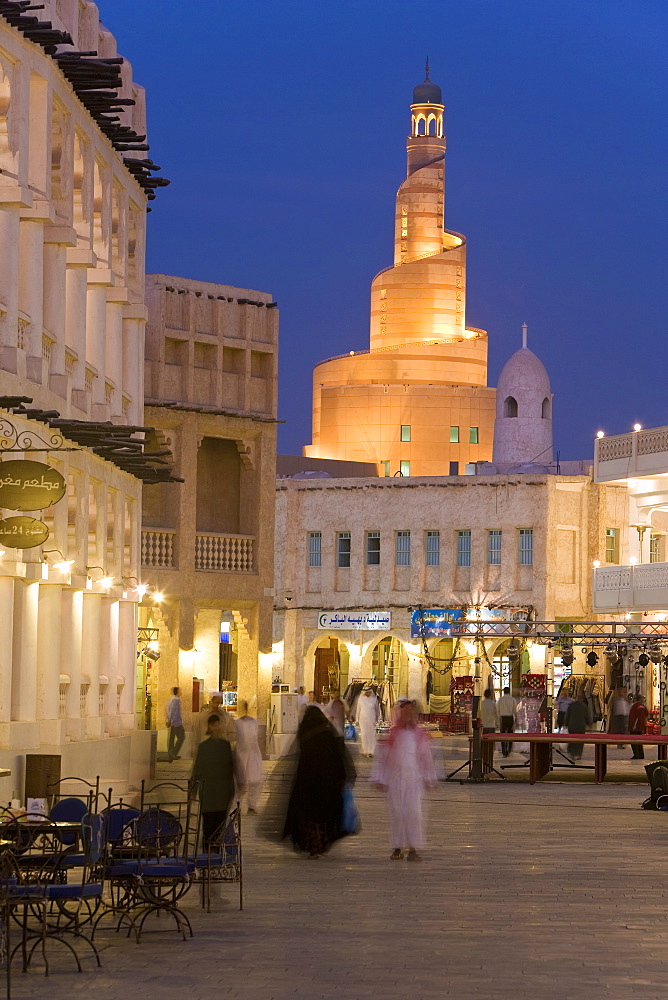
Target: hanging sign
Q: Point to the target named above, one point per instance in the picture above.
(446, 622)
(367, 621)
(29, 485)
(22, 532)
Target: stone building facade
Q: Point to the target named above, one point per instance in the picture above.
(384, 547)
(72, 237)
(207, 544)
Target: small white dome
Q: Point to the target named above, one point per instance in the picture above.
(525, 378)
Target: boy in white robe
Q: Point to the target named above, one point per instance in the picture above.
(367, 712)
(404, 771)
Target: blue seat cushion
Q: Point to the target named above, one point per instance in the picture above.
(19, 892)
(168, 868)
(123, 869)
(73, 861)
(74, 891)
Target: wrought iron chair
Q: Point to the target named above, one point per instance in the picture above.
(222, 861)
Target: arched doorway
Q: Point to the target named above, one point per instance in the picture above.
(330, 667)
(389, 662)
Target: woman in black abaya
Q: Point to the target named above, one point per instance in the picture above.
(315, 809)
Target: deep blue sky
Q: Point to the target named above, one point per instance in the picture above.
(282, 127)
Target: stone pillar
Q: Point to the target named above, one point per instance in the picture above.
(127, 662)
(49, 623)
(114, 350)
(134, 322)
(76, 287)
(6, 653)
(70, 656)
(55, 302)
(31, 268)
(24, 660)
(93, 659)
(96, 322)
(9, 277)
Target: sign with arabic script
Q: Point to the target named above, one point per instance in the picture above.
(23, 532)
(29, 485)
(445, 622)
(367, 621)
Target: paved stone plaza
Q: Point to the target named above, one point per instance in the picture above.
(556, 890)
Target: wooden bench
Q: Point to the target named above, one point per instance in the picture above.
(540, 748)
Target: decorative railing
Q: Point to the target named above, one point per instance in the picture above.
(653, 442)
(225, 553)
(611, 448)
(644, 586)
(157, 547)
(613, 578)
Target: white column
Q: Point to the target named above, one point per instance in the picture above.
(127, 662)
(92, 655)
(112, 723)
(49, 624)
(134, 323)
(70, 656)
(114, 353)
(24, 661)
(6, 652)
(9, 284)
(96, 322)
(76, 288)
(55, 271)
(31, 267)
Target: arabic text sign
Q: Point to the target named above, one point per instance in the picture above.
(444, 622)
(22, 532)
(29, 485)
(367, 621)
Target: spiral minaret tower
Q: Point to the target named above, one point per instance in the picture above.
(417, 401)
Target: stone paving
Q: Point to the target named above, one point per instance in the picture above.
(556, 890)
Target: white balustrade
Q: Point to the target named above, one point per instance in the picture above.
(157, 547)
(225, 553)
(631, 588)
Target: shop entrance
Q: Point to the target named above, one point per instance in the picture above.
(330, 669)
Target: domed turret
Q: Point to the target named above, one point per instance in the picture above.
(523, 425)
(427, 92)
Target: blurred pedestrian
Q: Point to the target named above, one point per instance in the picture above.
(174, 720)
(248, 760)
(638, 717)
(563, 701)
(507, 711)
(215, 707)
(302, 697)
(578, 717)
(315, 810)
(489, 715)
(368, 714)
(335, 711)
(619, 713)
(404, 770)
(214, 769)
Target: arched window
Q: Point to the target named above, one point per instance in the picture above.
(510, 407)
(431, 125)
(439, 127)
(547, 409)
(421, 125)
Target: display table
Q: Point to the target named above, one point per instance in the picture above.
(540, 747)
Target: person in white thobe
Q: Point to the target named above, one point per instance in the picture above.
(367, 713)
(404, 771)
(248, 760)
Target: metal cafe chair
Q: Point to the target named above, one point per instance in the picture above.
(222, 861)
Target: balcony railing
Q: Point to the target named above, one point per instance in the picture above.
(157, 547)
(628, 456)
(225, 553)
(631, 588)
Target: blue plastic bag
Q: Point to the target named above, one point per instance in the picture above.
(349, 732)
(350, 819)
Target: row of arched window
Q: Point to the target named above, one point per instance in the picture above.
(510, 407)
(432, 125)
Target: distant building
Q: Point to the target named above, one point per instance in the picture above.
(207, 543)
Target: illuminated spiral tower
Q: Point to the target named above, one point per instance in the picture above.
(417, 401)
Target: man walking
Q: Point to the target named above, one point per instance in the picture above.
(226, 721)
(174, 720)
(489, 715)
(214, 770)
(507, 710)
(638, 717)
(248, 760)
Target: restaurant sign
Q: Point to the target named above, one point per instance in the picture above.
(365, 621)
(28, 485)
(22, 532)
(443, 623)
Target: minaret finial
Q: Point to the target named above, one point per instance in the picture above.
(426, 68)
(524, 334)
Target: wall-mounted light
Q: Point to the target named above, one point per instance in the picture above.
(597, 563)
(158, 597)
(637, 427)
(633, 560)
(104, 580)
(63, 565)
(600, 434)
